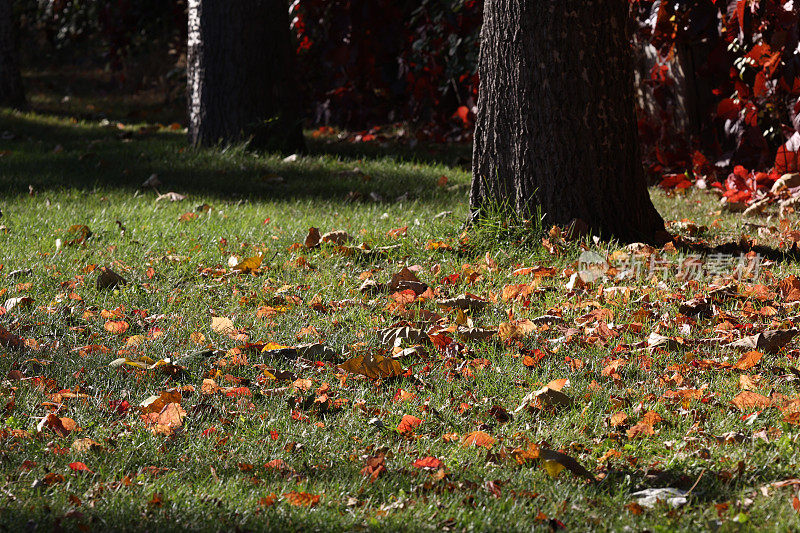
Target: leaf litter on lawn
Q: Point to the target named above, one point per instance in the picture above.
(609, 373)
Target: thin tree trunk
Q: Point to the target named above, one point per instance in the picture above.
(556, 127)
(11, 91)
(240, 79)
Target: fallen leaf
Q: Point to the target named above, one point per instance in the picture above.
(748, 400)
(77, 466)
(769, 341)
(302, 499)
(108, 279)
(336, 237)
(117, 327)
(407, 424)
(428, 462)
(566, 461)
(251, 264)
(650, 497)
(478, 438)
(313, 238)
(222, 325)
(403, 275)
(373, 366)
(516, 329)
(748, 360)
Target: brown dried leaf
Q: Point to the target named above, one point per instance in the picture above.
(747, 400)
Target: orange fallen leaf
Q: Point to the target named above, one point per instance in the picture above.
(747, 400)
(618, 419)
(77, 466)
(117, 327)
(408, 423)
(303, 499)
(748, 360)
(478, 438)
(428, 462)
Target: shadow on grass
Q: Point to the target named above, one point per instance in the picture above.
(48, 153)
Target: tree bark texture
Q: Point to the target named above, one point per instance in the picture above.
(241, 75)
(11, 91)
(556, 126)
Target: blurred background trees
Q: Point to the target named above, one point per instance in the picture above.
(717, 81)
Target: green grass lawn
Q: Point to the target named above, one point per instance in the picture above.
(287, 440)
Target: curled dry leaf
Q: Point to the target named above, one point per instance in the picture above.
(78, 234)
(155, 404)
(85, 445)
(403, 275)
(475, 334)
(748, 360)
(223, 325)
(171, 196)
(108, 279)
(339, 237)
(545, 397)
(78, 466)
(61, 426)
(771, 340)
(117, 327)
(20, 301)
(313, 238)
(402, 335)
(465, 301)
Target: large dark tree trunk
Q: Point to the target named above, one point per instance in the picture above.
(241, 75)
(556, 127)
(11, 92)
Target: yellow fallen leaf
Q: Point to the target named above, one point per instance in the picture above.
(553, 468)
(250, 264)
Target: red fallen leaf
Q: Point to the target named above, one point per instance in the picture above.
(77, 466)
(303, 499)
(478, 438)
(428, 462)
(236, 392)
(117, 327)
(408, 423)
(156, 501)
(796, 504)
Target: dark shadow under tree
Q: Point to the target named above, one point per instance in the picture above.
(241, 75)
(11, 91)
(556, 127)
